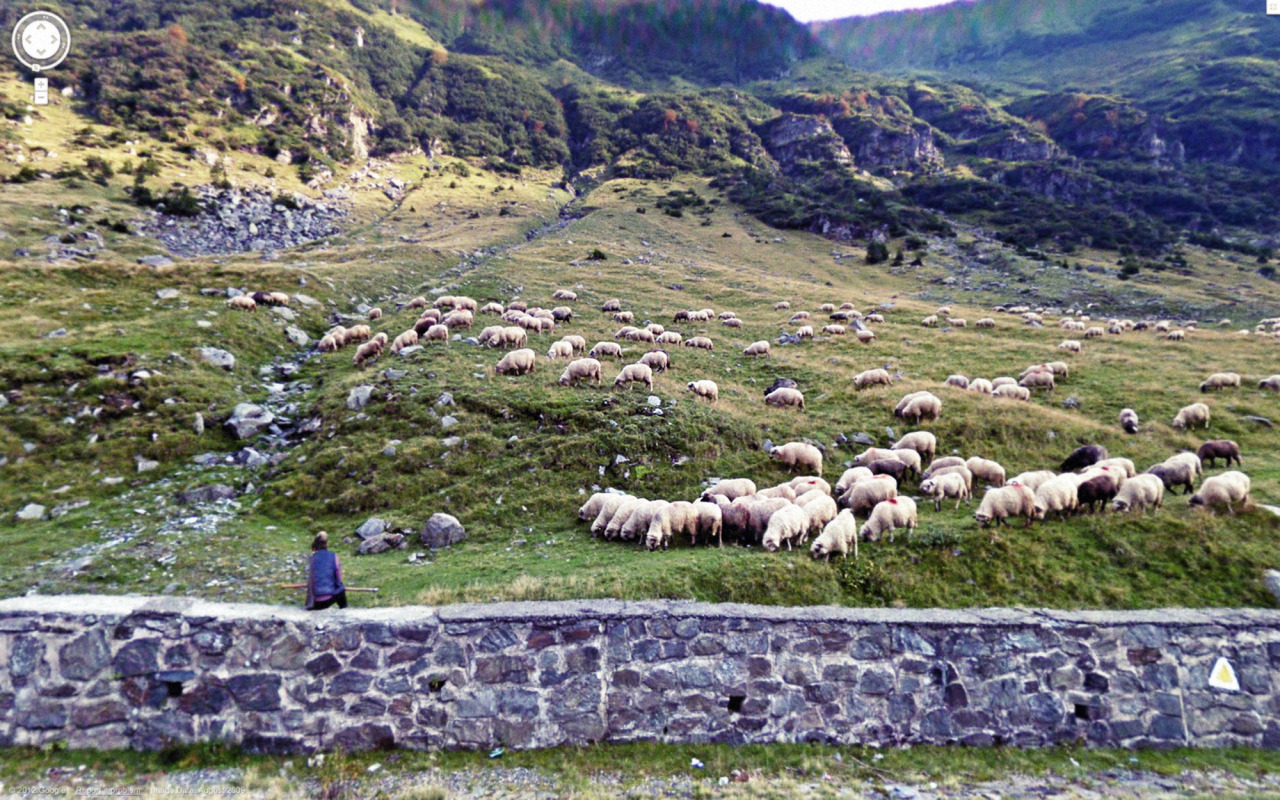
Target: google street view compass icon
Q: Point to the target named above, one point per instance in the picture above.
(41, 40)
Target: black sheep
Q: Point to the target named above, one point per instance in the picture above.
(1219, 448)
(1083, 457)
(1096, 491)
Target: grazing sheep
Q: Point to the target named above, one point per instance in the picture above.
(1096, 491)
(701, 343)
(943, 311)
(782, 490)
(641, 518)
(731, 489)
(1129, 420)
(839, 536)
(1223, 490)
(865, 337)
(925, 407)
(673, 518)
(960, 470)
(374, 314)
(407, 339)
(418, 302)
(804, 331)
(704, 388)
(517, 305)
(493, 308)
(758, 513)
(760, 348)
(872, 377)
(243, 302)
(612, 504)
(368, 351)
(1058, 495)
(1037, 380)
(511, 337)
(958, 381)
(561, 349)
(565, 294)
(517, 362)
(460, 318)
(799, 316)
(785, 397)
(922, 442)
(890, 466)
(1176, 336)
(981, 386)
(606, 349)
(1221, 380)
(943, 463)
(734, 322)
(1008, 501)
(580, 369)
(782, 306)
(908, 457)
(595, 502)
(986, 469)
(864, 495)
(1094, 331)
(951, 485)
(808, 483)
(436, 333)
(1032, 480)
(1175, 474)
(656, 360)
(930, 321)
(872, 454)
(1192, 415)
(1082, 457)
(1272, 383)
(1072, 345)
(1004, 380)
(611, 305)
(787, 524)
(668, 337)
(821, 507)
(1215, 449)
(1124, 465)
(849, 477)
(562, 314)
(888, 516)
(1139, 493)
(432, 314)
(798, 454)
(328, 344)
(833, 330)
(1011, 392)
(634, 373)
(708, 523)
(957, 322)
(986, 322)
(624, 316)
(876, 318)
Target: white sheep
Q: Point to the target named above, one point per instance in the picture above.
(704, 388)
(1221, 380)
(872, 377)
(561, 349)
(951, 485)
(986, 469)
(517, 362)
(601, 349)
(849, 478)
(1272, 383)
(710, 522)
(608, 507)
(1139, 493)
(808, 483)
(621, 515)
(981, 386)
(785, 396)
(1011, 392)
(1124, 464)
(864, 495)
(821, 507)
(1032, 480)
(579, 370)
(634, 373)
(641, 518)
(1056, 496)
(943, 461)
(958, 381)
(700, 343)
(760, 348)
(1223, 490)
(731, 489)
(839, 536)
(1191, 416)
(833, 330)
(798, 454)
(1003, 380)
(1008, 501)
(782, 490)
(788, 524)
(1071, 345)
(1129, 420)
(927, 407)
(888, 516)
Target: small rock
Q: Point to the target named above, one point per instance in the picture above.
(358, 397)
(31, 512)
(1071, 402)
(389, 450)
(248, 457)
(206, 459)
(863, 439)
(394, 374)
(198, 424)
(653, 400)
(297, 336)
(62, 508)
(58, 334)
(167, 294)
(445, 399)
(410, 350)
(156, 261)
(217, 357)
(206, 494)
(248, 420)
(113, 480)
(451, 441)
(371, 527)
(448, 421)
(285, 313)
(146, 464)
(442, 530)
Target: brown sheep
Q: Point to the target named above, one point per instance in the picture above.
(1215, 449)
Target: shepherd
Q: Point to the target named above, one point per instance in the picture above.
(324, 579)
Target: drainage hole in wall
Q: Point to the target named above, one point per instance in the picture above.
(735, 702)
(174, 687)
(1082, 711)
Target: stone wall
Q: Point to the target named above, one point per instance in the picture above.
(143, 672)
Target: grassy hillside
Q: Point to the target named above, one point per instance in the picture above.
(685, 196)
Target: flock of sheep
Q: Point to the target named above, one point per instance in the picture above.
(807, 506)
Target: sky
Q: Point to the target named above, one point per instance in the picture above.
(811, 10)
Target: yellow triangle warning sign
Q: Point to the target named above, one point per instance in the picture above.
(1223, 676)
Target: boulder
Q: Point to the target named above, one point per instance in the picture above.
(248, 420)
(358, 397)
(442, 530)
(297, 336)
(371, 527)
(167, 294)
(380, 543)
(217, 358)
